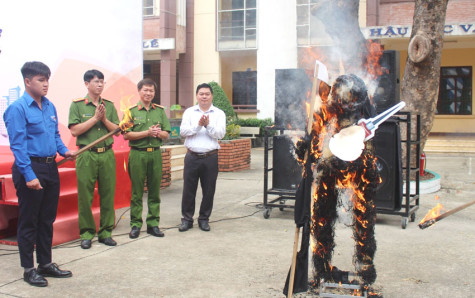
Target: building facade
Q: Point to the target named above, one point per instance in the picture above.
(168, 50)
(242, 44)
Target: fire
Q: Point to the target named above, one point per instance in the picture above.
(434, 212)
(125, 166)
(375, 51)
(308, 57)
(127, 121)
(125, 102)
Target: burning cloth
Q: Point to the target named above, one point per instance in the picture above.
(347, 103)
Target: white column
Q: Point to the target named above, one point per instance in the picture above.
(277, 48)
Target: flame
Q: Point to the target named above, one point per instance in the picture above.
(125, 166)
(125, 102)
(308, 56)
(375, 51)
(434, 212)
(127, 121)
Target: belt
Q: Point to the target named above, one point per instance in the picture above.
(205, 154)
(98, 149)
(48, 159)
(148, 149)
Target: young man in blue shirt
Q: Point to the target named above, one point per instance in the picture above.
(32, 125)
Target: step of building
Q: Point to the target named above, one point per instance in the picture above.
(176, 149)
(177, 161)
(177, 173)
(450, 144)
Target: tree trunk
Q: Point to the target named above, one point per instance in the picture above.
(420, 84)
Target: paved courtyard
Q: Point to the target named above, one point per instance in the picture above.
(245, 255)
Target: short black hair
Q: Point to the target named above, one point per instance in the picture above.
(35, 68)
(146, 82)
(90, 74)
(204, 85)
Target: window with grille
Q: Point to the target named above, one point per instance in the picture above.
(149, 8)
(237, 20)
(455, 91)
(245, 89)
(310, 30)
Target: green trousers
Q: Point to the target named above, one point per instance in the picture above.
(145, 164)
(92, 167)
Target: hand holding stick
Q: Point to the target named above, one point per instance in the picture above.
(126, 123)
(89, 146)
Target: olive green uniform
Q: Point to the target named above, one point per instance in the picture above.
(96, 164)
(145, 161)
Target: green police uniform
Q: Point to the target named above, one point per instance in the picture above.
(145, 161)
(96, 164)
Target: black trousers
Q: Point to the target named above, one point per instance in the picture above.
(37, 213)
(206, 171)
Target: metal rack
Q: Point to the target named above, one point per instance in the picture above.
(282, 194)
(410, 201)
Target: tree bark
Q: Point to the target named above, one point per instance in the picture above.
(420, 83)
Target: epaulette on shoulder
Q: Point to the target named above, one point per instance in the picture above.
(106, 100)
(134, 106)
(79, 99)
(158, 106)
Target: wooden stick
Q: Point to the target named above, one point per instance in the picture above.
(313, 98)
(89, 146)
(294, 261)
(432, 221)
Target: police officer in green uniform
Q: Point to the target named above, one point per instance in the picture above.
(151, 127)
(90, 118)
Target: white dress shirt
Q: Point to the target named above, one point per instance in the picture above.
(202, 139)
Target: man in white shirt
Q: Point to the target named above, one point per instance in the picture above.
(202, 125)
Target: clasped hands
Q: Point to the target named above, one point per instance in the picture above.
(204, 121)
(154, 131)
(100, 113)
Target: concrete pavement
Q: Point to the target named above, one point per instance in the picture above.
(245, 255)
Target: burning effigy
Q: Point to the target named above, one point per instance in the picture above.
(343, 105)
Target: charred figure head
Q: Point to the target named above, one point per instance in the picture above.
(349, 100)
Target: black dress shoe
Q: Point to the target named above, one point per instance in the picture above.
(134, 232)
(53, 271)
(185, 226)
(204, 226)
(33, 278)
(85, 243)
(108, 241)
(155, 231)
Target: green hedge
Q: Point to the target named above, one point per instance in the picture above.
(254, 122)
(221, 101)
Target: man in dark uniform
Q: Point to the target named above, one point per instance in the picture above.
(32, 125)
(90, 118)
(151, 127)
